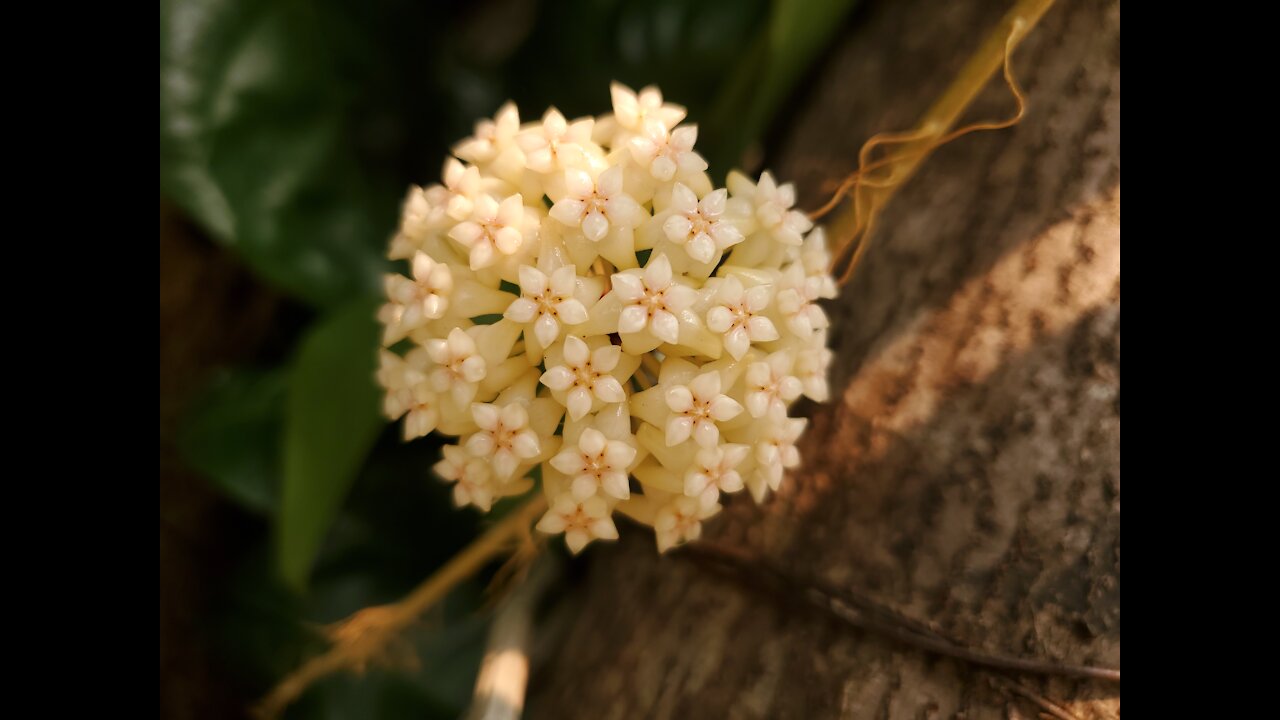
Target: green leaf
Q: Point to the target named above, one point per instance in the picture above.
(332, 422)
(258, 129)
(232, 436)
(798, 32)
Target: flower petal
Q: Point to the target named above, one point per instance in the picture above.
(546, 329)
(632, 319)
(521, 310)
(605, 358)
(665, 327)
(559, 378)
(595, 226)
(628, 286)
(592, 443)
(578, 402)
(609, 390)
(572, 312)
(657, 274)
(568, 211)
(679, 399)
(679, 429)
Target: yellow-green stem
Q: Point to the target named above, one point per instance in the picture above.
(870, 196)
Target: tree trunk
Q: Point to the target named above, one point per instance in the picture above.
(967, 470)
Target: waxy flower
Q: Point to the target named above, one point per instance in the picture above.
(409, 391)
(580, 521)
(591, 317)
(547, 302)
(770, 385)
(633, 110)
(584, 377)
(772, 207)
(491, 136)
(453, 200)
(796, 302)
(680, 521)
(596, 463)
(714, 471)
(555, 145)
(495, 229)
(696, 408)
(460, 366)
(472, 477)
(595, 206)
(777, 451)
(417, 301)
(504, 437)
(652, 300)
(667, 154)
(700, 225)
(737, 313)
(811, 368)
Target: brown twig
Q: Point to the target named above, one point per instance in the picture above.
(364, 638)
(1050, 707)
(868, 614)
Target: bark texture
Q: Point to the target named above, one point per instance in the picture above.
(967, 470)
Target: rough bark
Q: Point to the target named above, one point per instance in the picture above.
(967, 469)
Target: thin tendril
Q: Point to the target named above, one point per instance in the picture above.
(862, 184)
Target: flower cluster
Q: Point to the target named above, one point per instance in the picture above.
(584, 307)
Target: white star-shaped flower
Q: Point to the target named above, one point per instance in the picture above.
(696, 408)
(556, 144)
(811, 368)
(632, 110)
(680, 521)
(596, 206)
(472, 477)
(736, 313)
(596, 463)
(584, 377)
(816, 260)
(491, 136)
(714, 470)
(772, 204)
(700, 226)
(795, 302)
(436, 208)
(581, 522)
(415, 302)
(667, 154)
(409, 391)
(504, 437)
(546, 303)
(461, 367)
(495, 229)
(456, 197)
(418, 219)
(652, 300)
(776, 450)
(771, 386)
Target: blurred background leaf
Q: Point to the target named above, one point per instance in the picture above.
(332, 421)
(797, 33)
(284, 128)
(232, 436)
